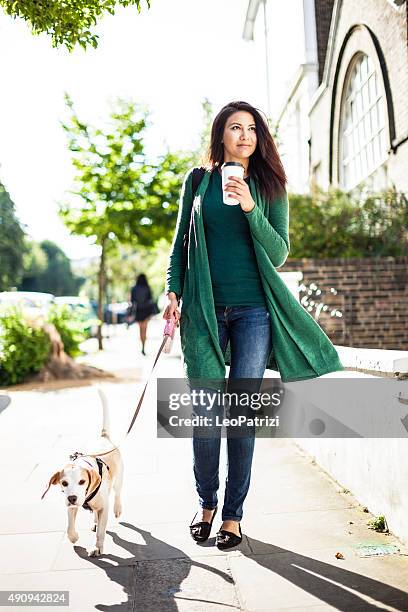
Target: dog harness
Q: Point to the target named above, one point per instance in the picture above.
(100, 463)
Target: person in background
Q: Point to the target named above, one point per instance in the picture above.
(143, 306)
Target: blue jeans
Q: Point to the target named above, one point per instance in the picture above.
(248, 330)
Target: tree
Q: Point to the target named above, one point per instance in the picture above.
(50, 271)
(35, 262)
(58, 277)
(121, 197)
(208, 116)
(68, 22)
(11, 243)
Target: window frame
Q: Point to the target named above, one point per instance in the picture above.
(363, 107)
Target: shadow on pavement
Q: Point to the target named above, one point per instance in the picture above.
(154, 584)
(319, 578)
(4, 401)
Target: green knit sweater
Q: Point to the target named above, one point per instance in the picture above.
(273, 232)
(233, 267)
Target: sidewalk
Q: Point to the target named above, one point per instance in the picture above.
(296, 518)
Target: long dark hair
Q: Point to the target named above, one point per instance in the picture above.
(141, 281)
(264, 164)
(141, 291)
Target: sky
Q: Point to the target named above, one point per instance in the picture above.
(169, 58)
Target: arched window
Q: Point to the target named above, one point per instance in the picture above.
(363, 146)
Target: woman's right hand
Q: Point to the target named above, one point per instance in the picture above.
(171, 310)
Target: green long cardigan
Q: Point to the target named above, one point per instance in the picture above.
(300, 348)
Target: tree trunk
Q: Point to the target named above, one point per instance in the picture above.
(101, 292)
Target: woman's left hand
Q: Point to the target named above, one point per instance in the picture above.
(240, 189)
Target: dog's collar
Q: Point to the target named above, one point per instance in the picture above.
(100, 463)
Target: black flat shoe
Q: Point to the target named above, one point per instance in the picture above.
(227, 539)
(200, 532)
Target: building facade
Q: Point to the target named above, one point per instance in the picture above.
(301, 61)
(359, 114)
(344, 122)
(293, 121)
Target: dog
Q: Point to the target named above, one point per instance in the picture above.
(87, 481)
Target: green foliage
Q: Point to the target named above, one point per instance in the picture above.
(70, 328)
(48, 269)
(12, 244)
(121, 196)
(24, 349)
(124, 266)
(25, 346)
(161, 196)
(205, 139)
(35, 261)
(378, 524)
(68, 22)
(334, 224)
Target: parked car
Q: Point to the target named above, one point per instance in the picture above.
(82, 308)
(116, 311)
(33, 303)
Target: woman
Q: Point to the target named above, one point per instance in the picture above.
(142, 306)
(234, 301)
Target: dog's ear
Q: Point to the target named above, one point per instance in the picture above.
(94, 479)
(55, 478)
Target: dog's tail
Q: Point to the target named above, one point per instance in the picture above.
(105, 424)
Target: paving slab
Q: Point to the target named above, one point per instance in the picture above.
(40, 517)
(277, 486)
(28, 552)
(312, 530)
(284, 579)
(190, 585)
(97, 588)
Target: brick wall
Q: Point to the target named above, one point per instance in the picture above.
(372, 294)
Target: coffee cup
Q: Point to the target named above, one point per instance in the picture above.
(230, 169)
